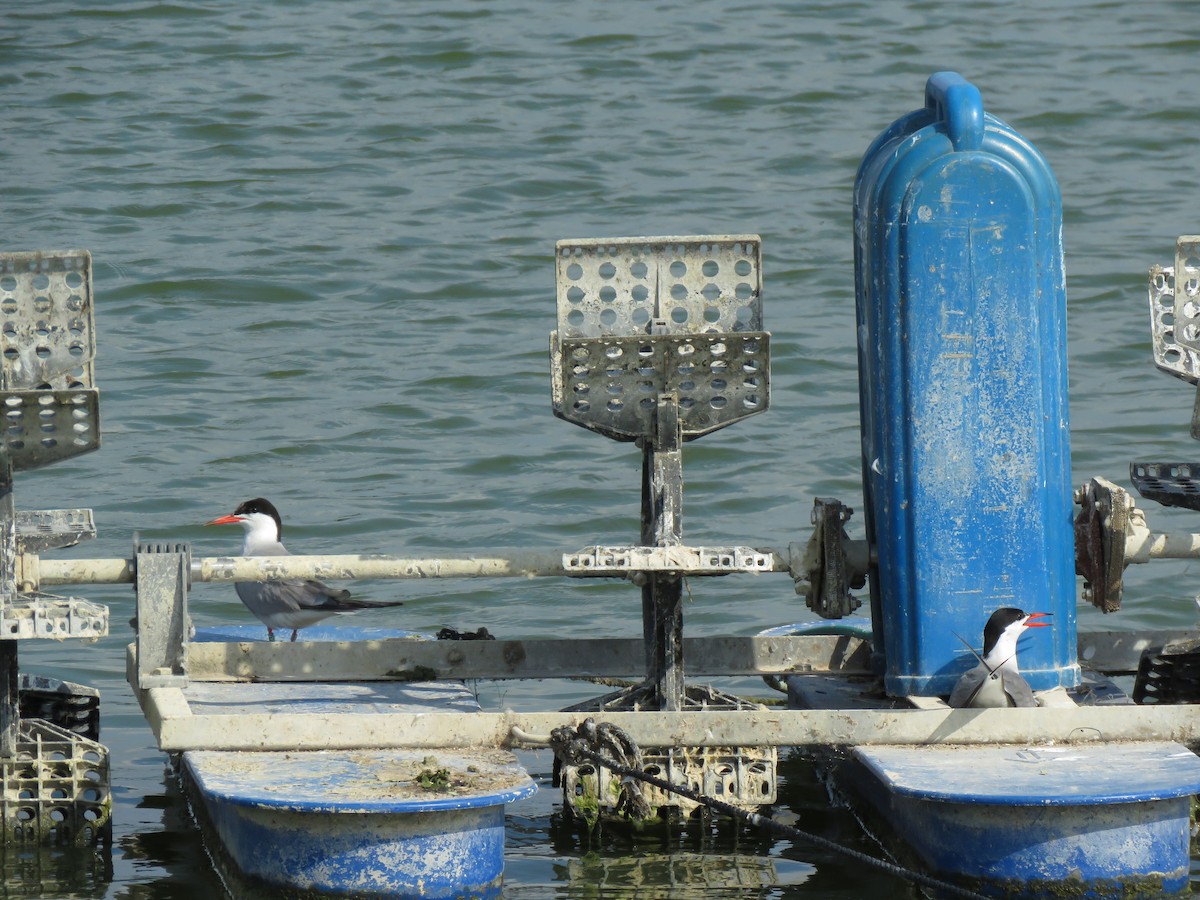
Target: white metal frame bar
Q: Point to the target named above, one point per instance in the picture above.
(177, 727)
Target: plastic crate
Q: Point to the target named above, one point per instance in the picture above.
(744, 777)
(74, 707)
(56, 788)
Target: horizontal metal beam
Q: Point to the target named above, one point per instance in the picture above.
(1112, 652)
(591, 658)
(176, 728)
(591, 562)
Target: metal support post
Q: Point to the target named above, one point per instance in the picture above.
(662, 526)
(162, 585)
(10, 711)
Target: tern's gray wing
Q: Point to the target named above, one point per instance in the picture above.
(968, 688)
(1017, 689)
(981, 689)
(276, 602)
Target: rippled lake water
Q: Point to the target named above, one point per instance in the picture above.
(323, 245)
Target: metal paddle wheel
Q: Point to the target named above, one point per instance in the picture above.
(56, 780)
(659, 342)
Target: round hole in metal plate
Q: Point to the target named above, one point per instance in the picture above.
(710, 268)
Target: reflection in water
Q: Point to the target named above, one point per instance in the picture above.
(696, 857)
(680, 874)
(703, 857)
(174, 853)
(36, 872)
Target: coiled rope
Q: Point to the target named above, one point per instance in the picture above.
(582, 744)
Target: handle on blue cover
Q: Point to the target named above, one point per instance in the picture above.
(957, 103)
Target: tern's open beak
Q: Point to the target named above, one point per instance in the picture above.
(1029, 623)
(234, 520)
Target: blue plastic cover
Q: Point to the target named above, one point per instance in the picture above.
(1012, 775)
(961, 307)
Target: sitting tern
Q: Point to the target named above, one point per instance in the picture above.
(284, 604)
(997, 681)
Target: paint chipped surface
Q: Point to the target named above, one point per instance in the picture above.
(361, 780)
(1018, 775)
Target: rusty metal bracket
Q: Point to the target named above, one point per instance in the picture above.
(1100, 532)
(828, 571)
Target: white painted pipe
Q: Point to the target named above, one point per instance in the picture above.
(592, 562)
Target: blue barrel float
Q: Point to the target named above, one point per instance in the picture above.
(961, 308)
(350, 822)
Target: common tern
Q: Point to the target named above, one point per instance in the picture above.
(284, 604)
(997, 680)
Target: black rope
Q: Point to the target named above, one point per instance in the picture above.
(574, 746)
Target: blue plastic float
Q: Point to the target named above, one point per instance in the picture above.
(355, 823)
(1106, 820)
(348, 822)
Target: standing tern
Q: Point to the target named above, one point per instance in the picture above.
(997, 681)
(284, 604)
